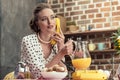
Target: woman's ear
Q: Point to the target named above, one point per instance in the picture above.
(36, 23)
(37, 26)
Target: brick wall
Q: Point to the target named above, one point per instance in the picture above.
(97, 13)
(89, 12)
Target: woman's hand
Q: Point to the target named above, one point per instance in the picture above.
(119, 76)
(68, 48)
(59, 38)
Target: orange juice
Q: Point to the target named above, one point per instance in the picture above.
(81, 63)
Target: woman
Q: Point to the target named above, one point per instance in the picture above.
(36, 49)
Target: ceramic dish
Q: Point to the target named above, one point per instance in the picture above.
(54, 75)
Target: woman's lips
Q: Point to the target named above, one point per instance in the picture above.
(50, 26)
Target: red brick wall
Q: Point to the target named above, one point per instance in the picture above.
(97, 13)
(89, 12)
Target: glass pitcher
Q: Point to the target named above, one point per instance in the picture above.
(81, 58)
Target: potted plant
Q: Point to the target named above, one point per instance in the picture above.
(116, 40)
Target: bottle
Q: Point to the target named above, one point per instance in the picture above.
(19, 71)
(91, 46)
(27, 72)
(107, 43)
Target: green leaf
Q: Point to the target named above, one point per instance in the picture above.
(118, 52)
(115, 34)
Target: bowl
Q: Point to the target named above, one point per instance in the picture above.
(54, 75)
(73, 28)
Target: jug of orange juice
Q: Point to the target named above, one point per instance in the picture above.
(81, 59)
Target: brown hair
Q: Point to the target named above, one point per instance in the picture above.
(33, 21)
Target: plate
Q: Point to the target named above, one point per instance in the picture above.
(54, 75)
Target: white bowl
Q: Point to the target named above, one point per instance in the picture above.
(54, 75)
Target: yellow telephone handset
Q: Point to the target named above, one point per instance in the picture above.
(53, 42)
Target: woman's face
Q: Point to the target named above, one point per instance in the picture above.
(46, 20)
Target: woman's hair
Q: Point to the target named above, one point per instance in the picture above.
(33, 21)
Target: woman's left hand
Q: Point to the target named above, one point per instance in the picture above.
(68, 48)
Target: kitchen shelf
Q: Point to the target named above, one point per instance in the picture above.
(103, 51)
(90, 32)
(84, 35)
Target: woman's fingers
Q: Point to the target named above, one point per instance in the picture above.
(58, 34)
(57, 37)
(69, 46)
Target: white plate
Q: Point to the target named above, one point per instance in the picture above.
(53, 79)
(54, 75)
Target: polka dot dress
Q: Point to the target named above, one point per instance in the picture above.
(32, 54)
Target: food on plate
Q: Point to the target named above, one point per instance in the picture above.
(56, 68)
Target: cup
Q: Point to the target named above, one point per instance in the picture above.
(83, 28)
(91, 47)
(101, 46)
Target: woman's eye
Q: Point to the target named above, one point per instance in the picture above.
(52, 17)
(43, 19)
